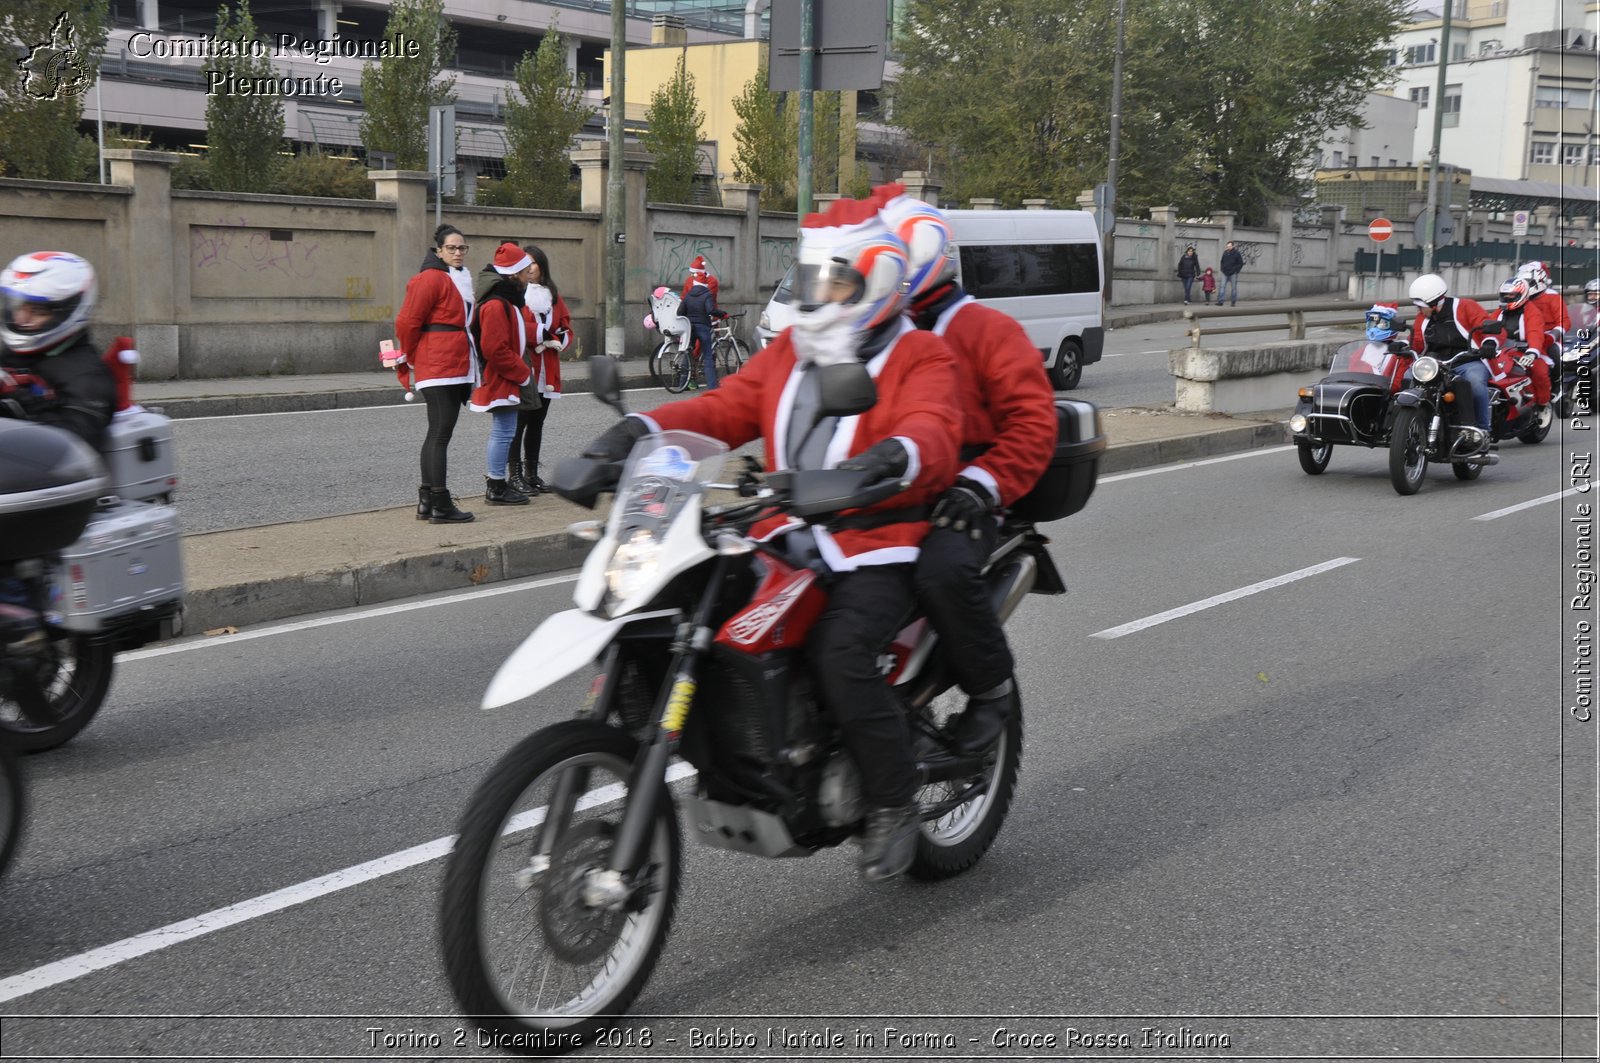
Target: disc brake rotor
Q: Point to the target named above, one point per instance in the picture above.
(575, 931)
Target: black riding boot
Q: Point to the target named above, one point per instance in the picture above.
(424, 502)
(500, 493)
(445, 511)
(985, 720)
(889, 842)
(516, 480)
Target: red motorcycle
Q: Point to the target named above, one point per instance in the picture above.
(1512, 410)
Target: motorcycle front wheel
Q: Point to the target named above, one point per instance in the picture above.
(1540, 429)
(1408, 451)
(962, 817)
(48, 699)
(1314, 458)
(11, 805)
(532, 962)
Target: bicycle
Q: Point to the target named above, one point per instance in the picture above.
(727, 347)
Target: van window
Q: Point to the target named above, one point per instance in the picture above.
(1006, 271)
(784, 295)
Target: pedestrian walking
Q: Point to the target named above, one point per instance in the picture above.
(1232, 264)
(501, 333)
(549, 333)
(1188, 270)
(1208, 284)
(431, 329)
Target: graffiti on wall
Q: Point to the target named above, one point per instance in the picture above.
(673, 252)
(235, 245)
(1135, 253)
(358, 301)
(777, 255)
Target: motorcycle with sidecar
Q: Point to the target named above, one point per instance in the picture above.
(1353, 405)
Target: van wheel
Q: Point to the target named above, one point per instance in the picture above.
(1068, 370)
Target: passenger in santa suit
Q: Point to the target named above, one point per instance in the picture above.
(1552, 310)
(849, 285)
(1444, 327)
(1008, 435)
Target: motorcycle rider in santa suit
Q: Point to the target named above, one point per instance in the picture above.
(48, 300)
(1552, 311)
(1008, 434)
(1523, 321)
(1444, 327)
(850, 272)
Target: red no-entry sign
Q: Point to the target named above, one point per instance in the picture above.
(1380, 229)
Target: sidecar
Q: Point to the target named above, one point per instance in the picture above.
(1352, 405)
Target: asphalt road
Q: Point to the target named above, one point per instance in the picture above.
(237, 472)
(1324, 818)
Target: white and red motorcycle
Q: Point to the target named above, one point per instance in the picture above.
(560, 892)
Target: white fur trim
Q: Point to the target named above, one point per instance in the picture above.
(442, 380)
(838, 561)
(511, 271)
(983, 476)
(941, 325)
(128, 357)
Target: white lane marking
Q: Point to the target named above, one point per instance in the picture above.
(53, 974)
(1520, 506)
(1220, 599)
(1191, 464)
(343, 618)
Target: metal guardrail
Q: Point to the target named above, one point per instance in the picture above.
(1295, 319)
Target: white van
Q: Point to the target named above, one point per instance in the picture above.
(1042, 267)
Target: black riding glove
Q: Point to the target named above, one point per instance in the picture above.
(884, 460)
(964, 508)
(617, 441)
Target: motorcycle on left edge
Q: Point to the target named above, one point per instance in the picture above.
(89, 565)
(12, 804)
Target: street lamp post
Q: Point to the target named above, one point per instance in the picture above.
(1431, 211)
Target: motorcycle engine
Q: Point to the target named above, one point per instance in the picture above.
(839, 792)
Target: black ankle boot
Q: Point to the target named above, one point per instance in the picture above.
(986, 718)
(500, 493)
(888, 842)
(424, 503)
(516, 480)
(445, 511)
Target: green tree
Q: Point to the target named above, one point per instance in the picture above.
(244, 130)
(1222, 103)
(42, 94)
(762, 147)
(673, 137)
(396, 92)
(542, 116)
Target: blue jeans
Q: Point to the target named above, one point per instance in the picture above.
(708, 359)
(502, 429)
(1188, 282)
(1230, 282)
(1478, 374)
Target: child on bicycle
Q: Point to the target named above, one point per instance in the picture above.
(700, 307)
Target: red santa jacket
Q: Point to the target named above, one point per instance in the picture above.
(917, 393)
(1013, 420)
(1526, 324)
(708, 280)
(431, 328)
(557, 329)
(1553, 312)
(502, 337)
(1468, 315)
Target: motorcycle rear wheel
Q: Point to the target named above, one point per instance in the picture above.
(1466, 470)
(1314, 458)
(11, 805)
(1408, 452)
(956, 839)
(525, 955)
(1536, 434)
(76, 677)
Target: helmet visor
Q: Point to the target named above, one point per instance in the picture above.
(1380, 321)
(822, 278)
(27, 315)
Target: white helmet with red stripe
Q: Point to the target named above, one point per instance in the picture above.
(58, 283)
(849, 280)
(926, 232)
(1537, 276)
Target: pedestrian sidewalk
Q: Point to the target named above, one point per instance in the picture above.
(254, 576)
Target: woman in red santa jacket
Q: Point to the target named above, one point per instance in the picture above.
(1008, 436)
(431, 328)
(850, 272)
(549, 333)
(501, 333)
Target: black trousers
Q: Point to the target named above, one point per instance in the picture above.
(529, 437)
(444, 402)
(950, 587)
(865, 610)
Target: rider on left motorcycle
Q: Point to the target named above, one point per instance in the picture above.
(56, 375)
(850, 274)
(1008, 434)
(1444, 327)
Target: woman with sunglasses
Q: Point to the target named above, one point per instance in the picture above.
(432, 329)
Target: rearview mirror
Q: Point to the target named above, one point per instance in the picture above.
(846, 389)
(606, 380)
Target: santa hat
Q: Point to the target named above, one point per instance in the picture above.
(120, 358)
(698, 265)
(846, 215)
(509, 259)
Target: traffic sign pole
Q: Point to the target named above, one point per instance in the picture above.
(1379, 229)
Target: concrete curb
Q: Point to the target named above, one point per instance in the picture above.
(454, 569)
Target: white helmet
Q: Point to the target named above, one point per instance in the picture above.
(58, 282)
(1591, 292)
(849, 278)
(926, 232)
(1428, 289)
(1536, 275)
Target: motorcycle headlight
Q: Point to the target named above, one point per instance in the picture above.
(633, 564)
(1297, 423)
(1424, 369)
